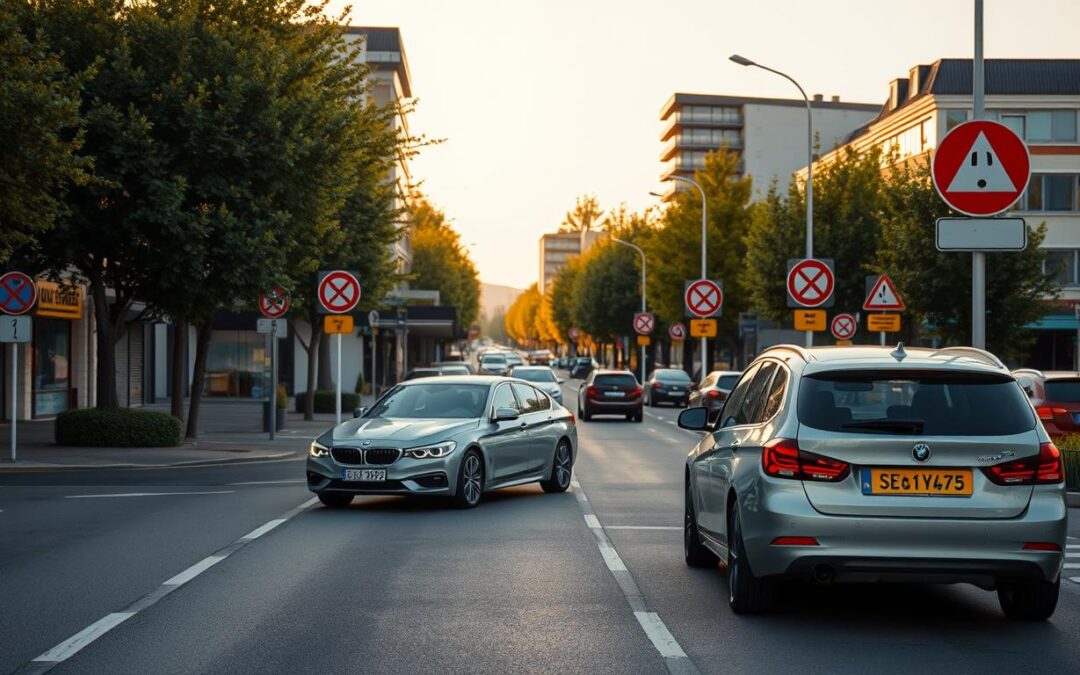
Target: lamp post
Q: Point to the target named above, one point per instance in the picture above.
(704, 240)
(743, 61)
(642, 254)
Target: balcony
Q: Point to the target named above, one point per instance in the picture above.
(677, 120)
(679, 143)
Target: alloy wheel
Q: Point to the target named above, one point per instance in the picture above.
(473, 475)
(562, 465)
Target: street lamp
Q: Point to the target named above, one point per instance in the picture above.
(642, 254)
(743, 61)
(704, 221)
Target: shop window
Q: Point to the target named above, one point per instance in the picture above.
(52, 366)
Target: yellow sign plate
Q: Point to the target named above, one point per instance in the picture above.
(883, 323)
(703, 328)
(918, 482)
(643, 340)
(337, 323)
(61, 302)
(810, 319)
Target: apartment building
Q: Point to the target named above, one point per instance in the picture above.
(1040, 100)
(559, 248)
(768, 134)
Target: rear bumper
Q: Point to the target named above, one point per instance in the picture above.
(662, 396)
(596, 407)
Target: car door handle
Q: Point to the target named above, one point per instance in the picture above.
(735, 446)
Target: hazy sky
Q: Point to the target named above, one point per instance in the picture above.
(543, 100)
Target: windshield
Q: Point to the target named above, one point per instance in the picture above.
(544, 375)
(1065, 391)
(493, 359)
(432, 401)
(929, 403)
(673, 376)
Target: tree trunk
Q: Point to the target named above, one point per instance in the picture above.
(178, 367)
(312, 365)
(106, 343)
(199, 378)
(326, 378)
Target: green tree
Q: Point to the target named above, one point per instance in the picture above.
(607, 291)
(562, 292)
(440, 263)
(583, 216)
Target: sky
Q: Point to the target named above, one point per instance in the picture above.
(540, 101)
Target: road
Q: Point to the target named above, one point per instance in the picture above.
(233, 568)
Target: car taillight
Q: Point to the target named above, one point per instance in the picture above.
(656, 385)
(635, 392)
(1043, 469)
(1047, 413)
(712, 393)
(782, 458)
(795, 541)
(1041, 546)
(591, 392)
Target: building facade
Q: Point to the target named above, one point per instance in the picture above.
(1040, 100)
(768, 134)
(557, 249)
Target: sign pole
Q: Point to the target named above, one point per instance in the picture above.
(14, 393)
(273, 378)
(337, 404)
(978, 258)
(374, 351)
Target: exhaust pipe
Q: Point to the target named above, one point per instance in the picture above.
(823, 574)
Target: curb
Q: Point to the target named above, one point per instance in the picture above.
(170, 465)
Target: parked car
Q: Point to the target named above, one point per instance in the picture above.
(610, 392)
(453, 367)
(417, 373)
(451, 436)
(541, 377)
(667, 385)
(866, 463)
(513, 359)
(582, 366)
(1056, 397)
(493, 363)
(714, 390)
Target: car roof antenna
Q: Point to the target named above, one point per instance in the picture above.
(899, 354)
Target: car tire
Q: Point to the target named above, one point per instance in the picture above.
(1033, 601)
(470, 481)
(747, 593)
(695, 552)
(335, 500)
(562, 468)
(583, 414)
(640, 416)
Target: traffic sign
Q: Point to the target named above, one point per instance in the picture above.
(810, 282)
(15, 329)
(373, 318)
(703, 328)
(18, 293)
(338, 292)
(644, 340)
(274, 303)
(338, 324)
(574, 334)
(843, 326)
(644, 323)
(677, 331)
(981, 168)
(883, 323)
(810, 319)
(279, 327)
(881, 295)
(980, 234)
(703, 298)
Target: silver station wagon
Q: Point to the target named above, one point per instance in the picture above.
(872, 464)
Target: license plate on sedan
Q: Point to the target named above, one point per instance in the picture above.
(676, 392)
(364, 475)
(615, 394)
(917, 482)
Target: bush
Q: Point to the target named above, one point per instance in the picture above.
(324, 401)
(1070, 452)
(117, 428)
(282, 398)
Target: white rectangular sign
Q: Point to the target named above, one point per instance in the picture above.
(279, 327)
(15, 328)
(981, 234)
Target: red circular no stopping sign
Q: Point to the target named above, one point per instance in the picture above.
(810, 282)
(843, 326)
(704, 298)
(339, 292)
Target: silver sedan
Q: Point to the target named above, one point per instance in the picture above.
(455, 436)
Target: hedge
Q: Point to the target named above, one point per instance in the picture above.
(1070, 450)
(324, 401)
(117, 428)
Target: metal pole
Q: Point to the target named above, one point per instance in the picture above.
(273, 377)
(704, 250)
(374, 353)
(978, 258)
(882, 338)
(14, 393)
(642, 254)
(337, 404)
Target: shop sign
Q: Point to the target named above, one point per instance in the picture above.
(59, 301)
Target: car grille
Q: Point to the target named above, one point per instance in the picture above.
(365, 456)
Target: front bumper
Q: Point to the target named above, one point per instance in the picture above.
(404, 477)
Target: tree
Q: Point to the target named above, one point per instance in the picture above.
(440, 263)
(561, 296)
(520, 320)
(607, 292)
(585, 214)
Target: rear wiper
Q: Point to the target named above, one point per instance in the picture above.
(909, 426)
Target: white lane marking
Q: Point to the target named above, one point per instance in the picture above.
(310, 502)
(659, 635)
(194, 571)
(592, 521)
(150, 494)
(73, 644)
(1072, 566)
(654, 430)
(269, 482)
(611, 557)
(1072, 546)
(645, 527)
(260, 531)
(1075, 579)
(576, 485)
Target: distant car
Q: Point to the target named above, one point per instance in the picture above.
(540, 357)
(582, 366)
(453, 368)
(513, 359)
(611, 392)
(417, 373)
(493, 363)
(1056, 397)
(714, 391)
(541, 377)
(667, 385)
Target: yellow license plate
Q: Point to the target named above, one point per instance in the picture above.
(917, 482)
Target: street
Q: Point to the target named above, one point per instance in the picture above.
(236, 568)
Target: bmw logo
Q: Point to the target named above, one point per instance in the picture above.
(366, 443)
(921, 452)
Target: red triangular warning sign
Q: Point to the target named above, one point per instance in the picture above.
(883, 296)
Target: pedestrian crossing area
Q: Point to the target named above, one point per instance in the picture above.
(1072, 560)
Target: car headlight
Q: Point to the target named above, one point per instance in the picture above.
(317, 449)
(432, 451)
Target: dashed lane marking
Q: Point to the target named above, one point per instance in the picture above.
(73, 644)
(260, 531)
(194, 571)
(592, 521)
(659, 635)
(673, 528)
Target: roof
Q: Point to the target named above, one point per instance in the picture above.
(385, 40)
(680, 99)
(819, 359)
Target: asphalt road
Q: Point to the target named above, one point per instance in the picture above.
(232, 568)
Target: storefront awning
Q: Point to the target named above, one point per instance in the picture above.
(1055, 322)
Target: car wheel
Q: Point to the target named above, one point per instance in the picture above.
(695, 552)
(747, 594)
(639, 416)
(470, 484)
(1034, 601)
(562, 466)
(335, 500)
(584, 414)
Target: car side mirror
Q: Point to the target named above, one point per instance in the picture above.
(694, 419)
(359, 412)
(506, 414)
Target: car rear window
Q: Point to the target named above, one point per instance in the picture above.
(1066, 391)
(493, 358)
(677, 376)
(615, 381)
(727, 382)
(920, 403)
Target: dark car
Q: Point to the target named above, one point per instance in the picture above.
(667, 385)
(714, 391)
(1056, 397)
(582, 366)
(417, 373)
(610, 392)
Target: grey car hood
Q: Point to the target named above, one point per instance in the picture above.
(400, 431)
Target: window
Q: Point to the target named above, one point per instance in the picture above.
(1064, 125)
(1060, 267)
(1063, 390)
(52, 365)
(530, 398)
(1042, 126)
(1051, 192)
(432, 401)
(734, 402)
(627, 380)
(753, 403)
(954, 117)
(504, 398)
(1014, 122)
(775, 396)
(673, 376)
(727, 382)
(1038, 126)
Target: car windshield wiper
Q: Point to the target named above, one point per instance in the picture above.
(909, 426)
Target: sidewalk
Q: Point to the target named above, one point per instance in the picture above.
(230, 431)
